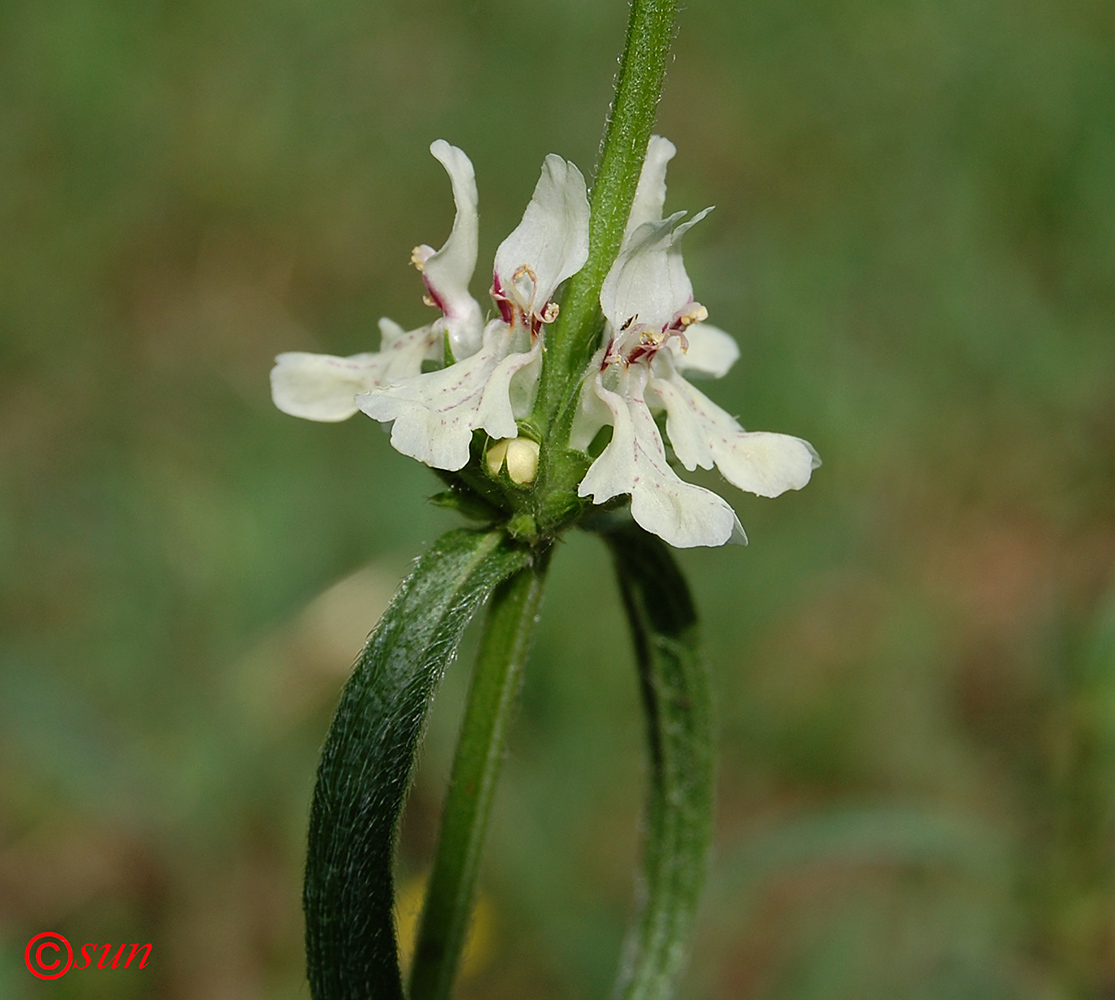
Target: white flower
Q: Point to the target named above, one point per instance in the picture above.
(653, 334)
(493, 372)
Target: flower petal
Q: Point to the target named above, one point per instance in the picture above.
(403, 351)
(710, 350)
(703, 434)
(687, 424)
(650, 195)
(435, 413)
(648, 280)
(322, 386)
(634, 462)
(552, 239)
(591, 414)
(509, 393)
(767, 464)
(448, 271)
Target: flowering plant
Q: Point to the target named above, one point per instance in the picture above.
(550, 409)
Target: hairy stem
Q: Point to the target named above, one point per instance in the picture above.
(492, 698)
(571, 341)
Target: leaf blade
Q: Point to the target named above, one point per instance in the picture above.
(678, 829)
(368, 760)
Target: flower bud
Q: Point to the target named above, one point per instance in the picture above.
(521, 457)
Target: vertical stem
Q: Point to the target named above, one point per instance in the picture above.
(569, 345)
(508, 633)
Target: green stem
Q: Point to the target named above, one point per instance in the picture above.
(570, 343)
(492, 697)
(678, 828)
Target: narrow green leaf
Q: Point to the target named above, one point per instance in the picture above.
(678, 826)
(368, 759)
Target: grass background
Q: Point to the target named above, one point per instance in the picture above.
(914, 661)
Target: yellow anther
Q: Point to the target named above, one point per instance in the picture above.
(697, 314)
(420, 254)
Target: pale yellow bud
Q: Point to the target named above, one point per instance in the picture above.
(521, 455)
(496, 454)
(522, 460)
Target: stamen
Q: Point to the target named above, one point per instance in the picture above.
(420, 254)
(696, 313)
(528, 271)
(525, 270)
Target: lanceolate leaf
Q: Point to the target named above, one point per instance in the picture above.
(368, 759)
(678, 823)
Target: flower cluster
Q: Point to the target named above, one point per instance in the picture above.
(654, 333)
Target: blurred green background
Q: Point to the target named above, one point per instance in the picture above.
(914, 661)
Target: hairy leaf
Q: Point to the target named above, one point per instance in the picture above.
(368, 759)
(678, 824)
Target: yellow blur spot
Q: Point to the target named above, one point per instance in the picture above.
(479, 945)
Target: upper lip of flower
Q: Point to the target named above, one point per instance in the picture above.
(447, 272)
(548, 246)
